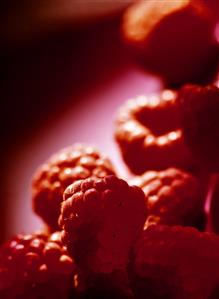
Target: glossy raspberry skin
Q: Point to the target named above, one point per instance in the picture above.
(35, 266)
(200, 122)
(62, 169)
(175, 262)
(148, 132)
(101, 219)
(175, 197)
(177, 27)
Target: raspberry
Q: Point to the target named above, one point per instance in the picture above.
(101, 219)
(200, 110)
(62, 169)
(161, 35)
(35, 266)
(175, 197)
(108, 285)
(213, 6)
(148, 132)
(214, 206)
(175, 262)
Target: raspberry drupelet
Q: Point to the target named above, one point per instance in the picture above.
(62, 169)
(100, 219)
(175, 197)
(148, 132)
(176, 263)
(36, 266)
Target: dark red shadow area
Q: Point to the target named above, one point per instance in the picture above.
(45, 78)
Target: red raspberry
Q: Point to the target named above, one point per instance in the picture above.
(101, 219)
(214, 206)
(35, 266)
(108, 286)
(62, 169)
(175, 197)
(177, 263)
(173, 39)
(200, 121)
(148, 131)
(214, 7)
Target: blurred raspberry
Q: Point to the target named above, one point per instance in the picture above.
(214, 205)
(148, 132)
(200, 121)
(101, 219)
(173, 39)
(214, 7)
(35, 266)
(62, 169)
(175, 263)
(175, 197)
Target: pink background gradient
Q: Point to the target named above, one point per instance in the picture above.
(91, 122)
(83, 114)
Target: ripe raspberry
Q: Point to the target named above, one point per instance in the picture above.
(148, 131)
(200, 121)
(101, 219)
(214, 206)
(35, 266)
(161, 35)
(213, 6)
(175, 263)
(175, 197)
(108, 285)
(62, 169)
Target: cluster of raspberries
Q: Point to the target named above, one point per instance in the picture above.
(62, 169)
(145, 237)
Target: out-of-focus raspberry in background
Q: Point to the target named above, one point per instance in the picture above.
(65, 74)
